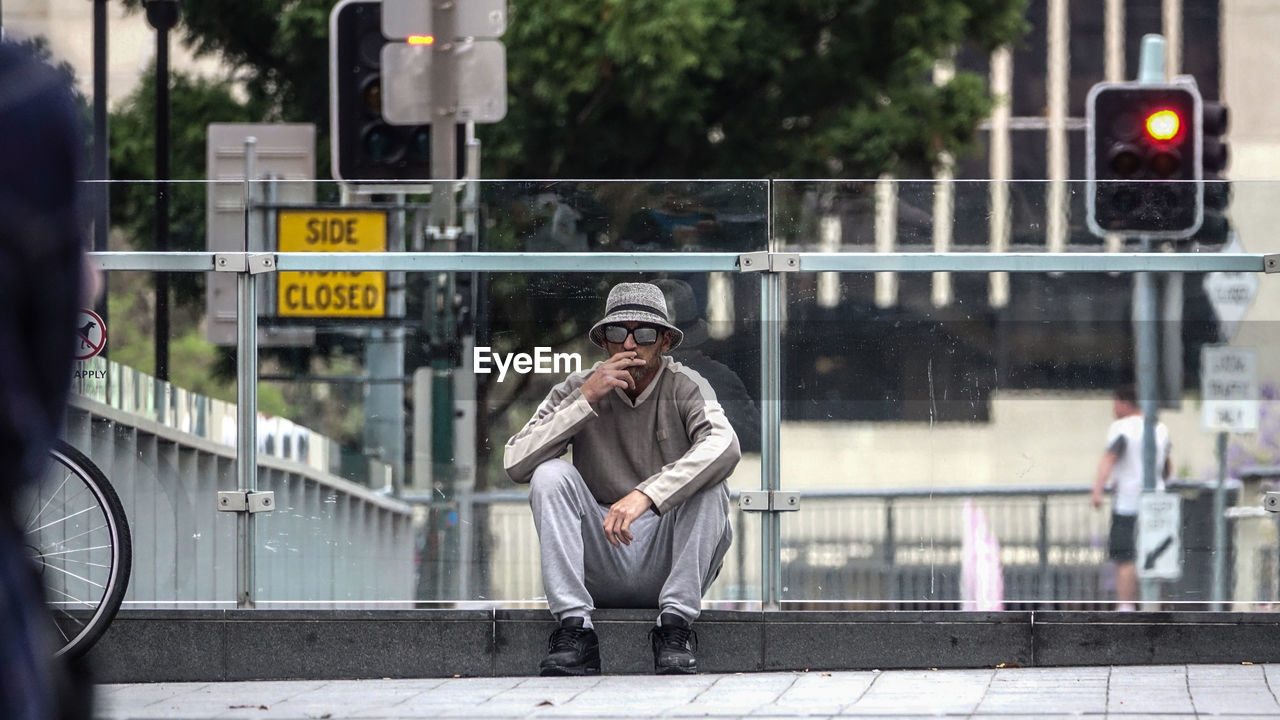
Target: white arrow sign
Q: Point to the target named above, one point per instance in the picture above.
(1159, 536)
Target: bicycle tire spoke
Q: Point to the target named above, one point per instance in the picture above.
(68, 552)
(64, 541)
(72, 598)
(68, 573)
(58, 626)
(61, 520)
(86, 563)
(52, 495)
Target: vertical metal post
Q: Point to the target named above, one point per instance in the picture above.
(1151, 68)
(1146, 352)
(384, 358)
(101, 160)
(162, 15)
(1146, 314)
(1042, 547)
(1056, 90)
(444, 96)
(162, 201)
(254, 226)
(394, 362)
(1171, 311)
(1219, 587)
(465, 387)
(890, 549)
(771, 419)
(1001, 169)
(740, 554)
(246, 399)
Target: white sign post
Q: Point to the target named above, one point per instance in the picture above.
(1229, 388)
(1230, 293)
(1159, 536)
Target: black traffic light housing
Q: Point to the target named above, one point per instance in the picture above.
(1215, 231)
(1144, 159)
(364, 145)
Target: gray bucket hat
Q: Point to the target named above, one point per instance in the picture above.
(635, 302)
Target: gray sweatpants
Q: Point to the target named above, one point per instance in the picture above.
(669, 564)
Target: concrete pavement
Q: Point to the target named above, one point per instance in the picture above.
(1181, 692)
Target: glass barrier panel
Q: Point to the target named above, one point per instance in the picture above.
(166, 447)
(945, 429)
(574, 216)
(930, 382)
(625, 216)
(402, 422)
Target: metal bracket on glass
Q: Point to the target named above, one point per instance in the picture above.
(1271, 501)
(444, 233)
(261, 263)
(769, 262)
(231, 262)
(1271, 263)
(250, 502)
(769, 500)
(252, 263)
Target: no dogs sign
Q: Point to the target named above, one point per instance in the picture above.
(91, 335)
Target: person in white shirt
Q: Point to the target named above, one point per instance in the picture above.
(1121, 469)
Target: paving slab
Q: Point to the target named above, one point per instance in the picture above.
(1178, 692)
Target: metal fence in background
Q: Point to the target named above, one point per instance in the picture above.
(895, 546)
(890, 548)
(483, 565)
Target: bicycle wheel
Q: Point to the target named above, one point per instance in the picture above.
(78, 536)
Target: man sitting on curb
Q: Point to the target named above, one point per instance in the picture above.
(641, 516)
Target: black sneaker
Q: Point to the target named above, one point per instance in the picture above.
(572, 650)
(673, 645)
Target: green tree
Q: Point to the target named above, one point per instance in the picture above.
(279, 51)
(193, 104)
(675, 88)
(690, 88)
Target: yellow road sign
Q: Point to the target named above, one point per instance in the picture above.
(332, 294)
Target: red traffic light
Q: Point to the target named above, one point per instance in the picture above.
(1144, 159)
(1163, 125)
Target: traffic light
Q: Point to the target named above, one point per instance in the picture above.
(364, 145)
(1216, 229)
(1144, 159)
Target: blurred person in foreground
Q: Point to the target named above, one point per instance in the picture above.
(41, 235)
(640, 518)
(1121, 469)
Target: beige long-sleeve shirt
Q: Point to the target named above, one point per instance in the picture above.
(673, 441)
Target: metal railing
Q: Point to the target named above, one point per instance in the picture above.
(256, 543)
(328, 541)
(889, 548)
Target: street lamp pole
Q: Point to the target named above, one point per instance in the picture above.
(101, 156)
(163, 15)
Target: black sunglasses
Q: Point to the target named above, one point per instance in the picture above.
(644, 335)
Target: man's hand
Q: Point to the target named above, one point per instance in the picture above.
(617, 524)
(1095, 497)
(612, 373)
